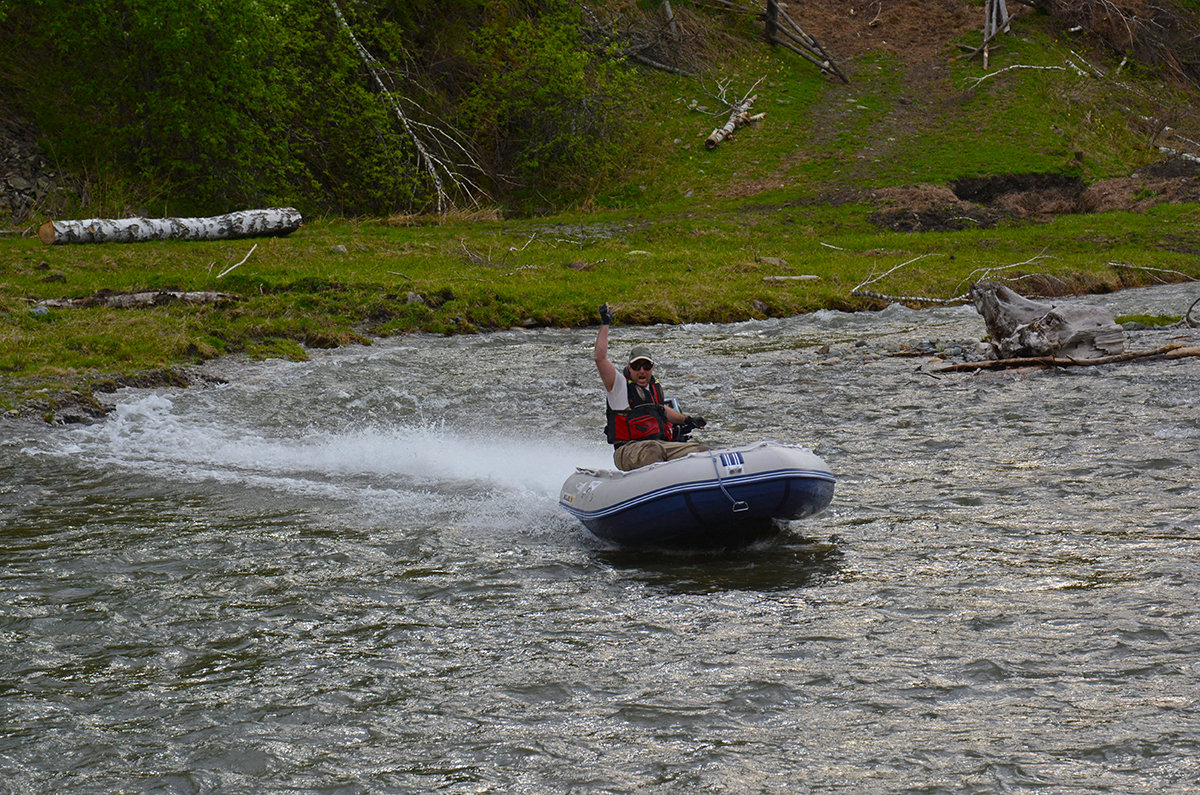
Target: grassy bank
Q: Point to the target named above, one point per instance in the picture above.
(688, 235)
(336, 282)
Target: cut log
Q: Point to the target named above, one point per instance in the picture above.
(131, 300)
(1022, 328)
(244, 223)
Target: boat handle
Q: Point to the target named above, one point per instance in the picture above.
(738, 505)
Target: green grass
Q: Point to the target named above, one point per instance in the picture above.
(687, 236)
(298, 292)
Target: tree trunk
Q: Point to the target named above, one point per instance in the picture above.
(1021, 328)
(245, 223)
(132, 300)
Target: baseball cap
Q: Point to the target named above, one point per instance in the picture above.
(640, 352)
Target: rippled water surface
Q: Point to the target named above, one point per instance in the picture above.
(351, 575)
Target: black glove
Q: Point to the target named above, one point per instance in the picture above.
(696, 422)
(606, 317)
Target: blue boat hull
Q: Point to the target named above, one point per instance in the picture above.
(727, 513)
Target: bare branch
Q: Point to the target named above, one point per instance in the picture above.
(436, 166)
(243, 259)
(986, 273)
(860, 291)
(989, 75)
(1187, 316)
(1125, 266)
(1172, 351)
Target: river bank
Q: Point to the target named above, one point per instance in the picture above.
(90, 397)
(340, 282)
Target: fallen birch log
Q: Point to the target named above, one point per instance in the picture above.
(804, 278)
(1173, 351)
(741, 115)
(244, 223)
(132, 300)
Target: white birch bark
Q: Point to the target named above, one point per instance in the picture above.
(244, 223)
(741, 115)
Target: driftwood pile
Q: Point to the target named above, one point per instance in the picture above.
(1026, 333)
(1020, 327)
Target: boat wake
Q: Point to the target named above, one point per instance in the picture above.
(425, 469)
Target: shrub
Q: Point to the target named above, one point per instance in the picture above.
(547, 109)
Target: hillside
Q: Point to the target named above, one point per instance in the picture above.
(1062, 120)
(1103, 103)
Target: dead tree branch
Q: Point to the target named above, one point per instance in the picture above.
(1187, 316)
(436, 165)
(242, 261)
(975, 81)
(859, 291)
(1183, 277)
(976, 275)
(1173, 351)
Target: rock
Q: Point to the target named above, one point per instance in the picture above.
(1020, 327)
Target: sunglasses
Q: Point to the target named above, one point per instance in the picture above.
(641, 364)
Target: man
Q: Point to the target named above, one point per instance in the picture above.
(640, 426)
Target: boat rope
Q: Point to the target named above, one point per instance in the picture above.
(737, 505)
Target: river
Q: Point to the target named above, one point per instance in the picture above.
(351, 575)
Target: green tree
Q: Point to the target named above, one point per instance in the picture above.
(548, 106)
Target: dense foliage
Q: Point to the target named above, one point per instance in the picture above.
(380, 107)
(218, 104)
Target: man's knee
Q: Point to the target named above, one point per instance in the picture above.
(680, 449)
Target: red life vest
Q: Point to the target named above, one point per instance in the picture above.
(646, 417)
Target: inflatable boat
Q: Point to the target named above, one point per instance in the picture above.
(729, 498)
